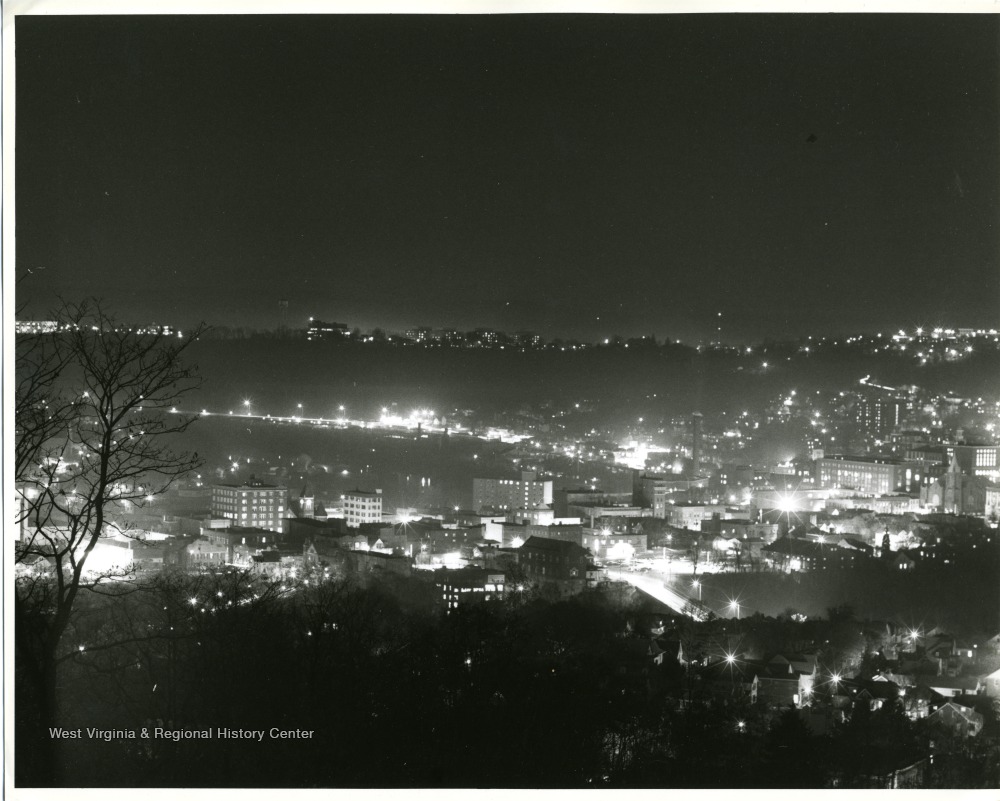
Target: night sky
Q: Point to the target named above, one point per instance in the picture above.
(572, 175)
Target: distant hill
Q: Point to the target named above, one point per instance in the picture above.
(278, 374)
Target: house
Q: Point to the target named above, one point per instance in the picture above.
(960, 720)
(871, 693)
(991, 683)
(203, 553)
(791, 554)
(788, 680)
(266, 563)
(855, 544)
(902, 778)
(876, 693)
(326, 554)
(672, 650)
(732, 681)
(950, 686)
(919, 702)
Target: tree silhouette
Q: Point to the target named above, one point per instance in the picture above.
(94, 404)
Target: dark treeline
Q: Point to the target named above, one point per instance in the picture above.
(957, 590)
(530, 691)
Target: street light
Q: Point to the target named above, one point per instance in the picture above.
(734, 606)
(697, 585)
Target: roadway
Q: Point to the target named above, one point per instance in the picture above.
(655, 585)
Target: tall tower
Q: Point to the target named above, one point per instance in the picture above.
(695, 444)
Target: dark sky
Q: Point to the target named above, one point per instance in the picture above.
(574, 175)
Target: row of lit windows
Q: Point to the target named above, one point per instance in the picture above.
(245, 493)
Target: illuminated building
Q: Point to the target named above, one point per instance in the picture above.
(956, 492)
(878, 415)
(975, 460)
(655, 492)
(505, 494)
(541, 515)
(696, 420)
(319, 330)
(486, 337)
(241, 543)
(468, 584)
(527, 339)
(253, 504)
(362, 507)
(608, 543)
(35, 326)
(583, 496)
(692, 515)
(872, 474)
(992, 502)
(594, 512)
(420, 334)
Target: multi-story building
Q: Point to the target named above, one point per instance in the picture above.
(35, 326)
(553, 560)
(527, 339)
(254, 504)
(319, 330)
(419, 334)
(611, 544)
(975, 460)
(564, 498)
(486, 337)
(692, 515)
(656, 492)
(504, 493)
(462, 586)
(871, 474)
(362, 507)
(880, 415)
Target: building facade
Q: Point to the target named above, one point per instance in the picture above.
(975, 460)
(469, 584)
(871, 474)
(252, 504)
(528, 492)
(362, 507)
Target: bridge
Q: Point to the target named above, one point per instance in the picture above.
(656, 588)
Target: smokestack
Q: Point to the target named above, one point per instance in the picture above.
(696, 444)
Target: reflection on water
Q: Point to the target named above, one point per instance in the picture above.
(412, 470)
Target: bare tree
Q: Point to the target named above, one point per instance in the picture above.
(95, 411)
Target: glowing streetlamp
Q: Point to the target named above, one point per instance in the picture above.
(734, 606)
(697, 585)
